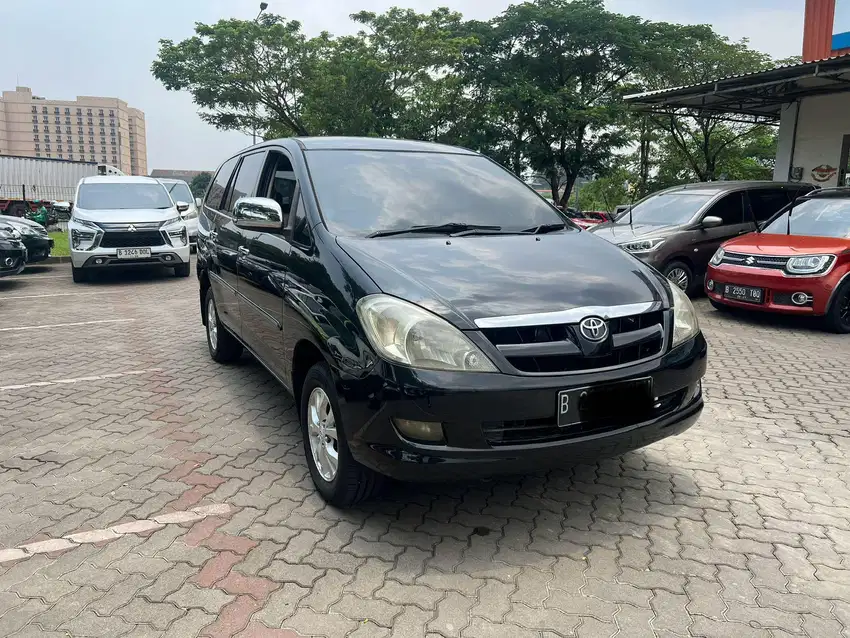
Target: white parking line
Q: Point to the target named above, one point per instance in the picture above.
(22, 277)
(66, 325)
(64, 294)
(99, 377)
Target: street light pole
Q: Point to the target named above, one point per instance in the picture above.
(263, 7)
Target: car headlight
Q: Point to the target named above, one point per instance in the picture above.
(685, 323)
(175, 231)
(809, 265)
(642, 246)
(407, 334)
(26, 230)
(85, 235)
(717, 257)
(8, 233)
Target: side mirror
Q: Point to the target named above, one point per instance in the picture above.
(258, 213)
(182, 207)
(711, 222)
(199, 203)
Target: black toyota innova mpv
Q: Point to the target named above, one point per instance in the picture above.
(434, 317)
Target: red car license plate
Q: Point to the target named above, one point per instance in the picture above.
(746, 294)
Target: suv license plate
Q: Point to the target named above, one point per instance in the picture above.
(133, 253)
(744, 293)
(621, 400)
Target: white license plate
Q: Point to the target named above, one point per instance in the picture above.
(133, 253)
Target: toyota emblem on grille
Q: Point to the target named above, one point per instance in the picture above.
(131, 228)
(750, 261)
(593, 329)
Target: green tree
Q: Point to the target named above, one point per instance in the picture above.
(244, 75)
(199, 184)
(698, 145)
(558, 69)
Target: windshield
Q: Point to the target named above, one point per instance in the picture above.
(667, 209)
(179, 192)
(821, 217)
(363, 192)
(126, 195)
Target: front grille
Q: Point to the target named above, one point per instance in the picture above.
(125, 239)
(125, 225)
(754, 261)
(555, 348)
(499, 433)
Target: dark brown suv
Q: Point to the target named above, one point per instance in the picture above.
(678, 230)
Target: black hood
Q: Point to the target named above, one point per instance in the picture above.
(468, 278)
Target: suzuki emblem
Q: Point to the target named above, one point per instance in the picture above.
(593, 329)
(750, 261)
(131, 228)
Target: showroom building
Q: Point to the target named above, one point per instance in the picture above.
(809, 101)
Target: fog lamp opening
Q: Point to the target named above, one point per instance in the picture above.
(429, 431)
(710, 284)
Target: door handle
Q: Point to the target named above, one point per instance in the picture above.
(243, 250)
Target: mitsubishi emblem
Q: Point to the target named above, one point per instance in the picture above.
(131, 228)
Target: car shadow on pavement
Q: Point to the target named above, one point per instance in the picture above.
(135, 275)
(769, 320)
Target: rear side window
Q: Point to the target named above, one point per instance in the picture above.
(245, 184)
(219, 184)
(765, 203)
(730, 209)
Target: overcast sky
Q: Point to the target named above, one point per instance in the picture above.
(64, 48)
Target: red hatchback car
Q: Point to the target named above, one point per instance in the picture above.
(798, 263)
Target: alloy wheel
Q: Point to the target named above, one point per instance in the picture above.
(321, 427)
(212, 323)
(679, 277)
(844, 308)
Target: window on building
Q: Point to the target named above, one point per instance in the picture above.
(58, 129)
(60, 156)
(45, 119)
(59, 147)
(35, 118)
(113, 142)
(88, 111)
(35, 137)
(91, 158)
(111, 113)
(102, 123)
(91, 122)
(46, 138)
(100, 112)
(49, 155)
(35, 109)
(38, 154)
(56, 110)
(35, 128)
(68, 130)
(44, 109)
(71, 156)
(79, 111)
(82, 151)
(38, 147)
(79, 120)
(67, 111)
(47, 147)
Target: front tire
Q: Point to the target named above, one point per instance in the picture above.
(340, 479)
(223, 346)
(183, 270)
(838, 315)
(79, 275)
(680, 274)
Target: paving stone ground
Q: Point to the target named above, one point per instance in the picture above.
(740, 527)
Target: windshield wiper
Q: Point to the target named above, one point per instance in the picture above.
(542, 229)
(440, 229)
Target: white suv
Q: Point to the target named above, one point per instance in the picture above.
(126, 221)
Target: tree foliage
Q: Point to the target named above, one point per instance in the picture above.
(538, 87)
(199, 184)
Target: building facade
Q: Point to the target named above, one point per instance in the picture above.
(89, 129)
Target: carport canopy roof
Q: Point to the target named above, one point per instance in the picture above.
(757, 96)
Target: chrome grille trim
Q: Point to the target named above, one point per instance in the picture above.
(757, 261)
(123, 226)
(573, 315)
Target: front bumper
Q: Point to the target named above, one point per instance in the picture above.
(17, 253)
(38, 248)
(778, 289)
(160, 256)
(468, 405)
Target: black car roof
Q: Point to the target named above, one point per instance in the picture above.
(376, 144)
(718, 187)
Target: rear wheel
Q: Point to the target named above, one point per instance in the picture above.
(183, 270)
(838, 315)
(79, 275)
(224, 347)
(340, 479)
(679, 273)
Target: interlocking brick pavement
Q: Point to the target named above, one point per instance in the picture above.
(740, 527)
